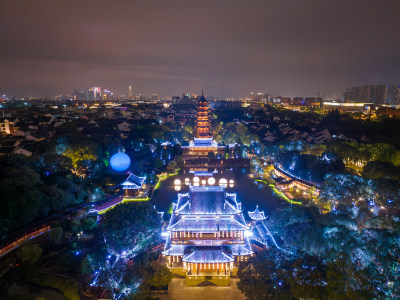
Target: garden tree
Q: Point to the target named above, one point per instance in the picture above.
(56, 235)
(157, 163)
(29, 193)
(158, 276)
(188, 128)
(179, 159)
(306, 277)
(171, 166)
(227, 150)
(131, 227)
(30, 253)
(360, 154)
(261, 277)
(288, 223)
(344, 281)
(52, 164)
(211, 155)
(380, 169)
(234, 133)
(347, 190)
(75, 225)
(89, 224)
(22, 198)
(4, 288)
(387, 193)
(176, 150)
(85, 151)
(57, 197)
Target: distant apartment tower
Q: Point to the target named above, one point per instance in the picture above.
(377, 94)
(95, 93)
(260, 97)
(107, 95)
(130, 92)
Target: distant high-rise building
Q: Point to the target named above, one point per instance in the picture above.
(107, 95)
(260, 97)
(95, 93)
(130, 92)
(377, 94)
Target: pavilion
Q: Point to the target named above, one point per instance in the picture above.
(207, 236)
(132, 185)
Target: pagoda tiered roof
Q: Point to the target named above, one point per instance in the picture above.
(207, 224)
(132, 182)
(207, 200)
(208, 255)
(207, 209)
(257, 215)
(241, 249)
(203, 142)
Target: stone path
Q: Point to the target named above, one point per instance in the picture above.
(177, 290)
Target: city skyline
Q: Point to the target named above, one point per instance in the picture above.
(227, 48)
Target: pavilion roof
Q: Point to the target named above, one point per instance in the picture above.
(206, 224)
(241, 249)
(207, 200)
(257, 215)
(203, 142)
(133, 182)
(175, 250)
(208, 255)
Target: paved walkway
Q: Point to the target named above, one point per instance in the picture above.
(177, 290)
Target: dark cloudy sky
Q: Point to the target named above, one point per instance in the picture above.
(228, 48)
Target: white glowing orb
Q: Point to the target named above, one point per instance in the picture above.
(177, 182)
(196, 184)
(177, 188)
(203, 182)
(223, 181)
(196, 179)
(231, 185)
(211, 181)
(231, 181)
(187, 179)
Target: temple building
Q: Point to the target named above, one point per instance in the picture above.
(132, 185)
(207, 236)
(203, 142)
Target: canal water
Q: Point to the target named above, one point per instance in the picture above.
(249, 192)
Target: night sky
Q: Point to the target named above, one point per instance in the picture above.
(227, 48)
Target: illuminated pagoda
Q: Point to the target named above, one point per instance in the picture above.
(207, 236)
(203, 142)
(132, 185)
(203, 125)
